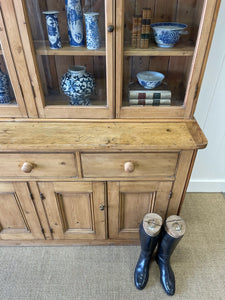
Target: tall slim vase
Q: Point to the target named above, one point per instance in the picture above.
(92, 30)
(53, 29)
(75, 22)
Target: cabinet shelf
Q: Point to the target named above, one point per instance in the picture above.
(61, 100)
(182, 49)
(43, 49)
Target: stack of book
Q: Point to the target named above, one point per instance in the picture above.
(141, 29)
(161, 95)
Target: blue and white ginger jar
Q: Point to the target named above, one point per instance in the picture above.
(78, 84)
(75, 22)
(4, 88)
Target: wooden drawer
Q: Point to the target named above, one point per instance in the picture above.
(36, 165)
(105, 165)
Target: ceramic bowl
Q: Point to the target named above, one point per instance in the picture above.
(149, 79)
(167, 34)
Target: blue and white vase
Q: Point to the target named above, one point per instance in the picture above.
(4, 88)
(75, 23)
(78, 84)
(92, 30)
(53, 29)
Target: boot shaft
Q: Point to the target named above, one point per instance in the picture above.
(167, 244)
(149, 232)
(171, 234)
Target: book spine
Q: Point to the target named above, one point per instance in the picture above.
(145, 29)
(153, 102)
(149, 95)
(139, 28)
(134, 32)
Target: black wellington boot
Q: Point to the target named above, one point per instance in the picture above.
(149, 230)
(172, 233)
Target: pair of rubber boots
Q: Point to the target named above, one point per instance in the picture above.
(152, 233)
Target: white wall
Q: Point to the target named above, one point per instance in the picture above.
(209, 169)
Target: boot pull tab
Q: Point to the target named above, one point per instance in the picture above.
(152, 223)
(177, 226)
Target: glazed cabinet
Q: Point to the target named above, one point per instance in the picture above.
(114, 63)
(85, 149)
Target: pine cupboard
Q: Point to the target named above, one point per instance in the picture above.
(87, 174)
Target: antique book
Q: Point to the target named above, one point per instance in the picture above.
(153, 102)
(145, 28)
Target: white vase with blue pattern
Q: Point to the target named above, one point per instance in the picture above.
(4, 88)
(53, 29)
(75, 23)
(78, 84)
(92, 30)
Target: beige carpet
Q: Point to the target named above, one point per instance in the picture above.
(106, 272)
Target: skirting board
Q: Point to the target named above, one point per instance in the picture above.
(206, 186)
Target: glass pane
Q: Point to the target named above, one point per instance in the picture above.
(69, 38)
(6, 91)
(157, 57)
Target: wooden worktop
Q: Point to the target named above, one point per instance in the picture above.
(100, 135)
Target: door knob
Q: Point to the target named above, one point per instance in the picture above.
(110, 28)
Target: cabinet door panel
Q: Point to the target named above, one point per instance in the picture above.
(129, 202)
(73, 209)
(137, 51)
(47, 65)
(11, 99)
(18, 218)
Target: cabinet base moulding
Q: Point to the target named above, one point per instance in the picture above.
(107, 242)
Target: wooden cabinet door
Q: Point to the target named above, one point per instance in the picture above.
(75, 210)
(18, 217)
(181, 65)
(46, 66)
(128, 202)
(11, 97)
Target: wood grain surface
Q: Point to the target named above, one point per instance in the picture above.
(101, 136)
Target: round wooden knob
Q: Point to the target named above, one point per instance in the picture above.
(110, 28)
(27, 167)
(129, 167)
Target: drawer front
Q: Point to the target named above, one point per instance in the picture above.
(36, 165)
(129, 165)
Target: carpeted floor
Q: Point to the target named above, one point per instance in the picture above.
(106, 272)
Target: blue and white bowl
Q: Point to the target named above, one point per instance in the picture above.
(167, 34)
(149, 79)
